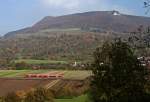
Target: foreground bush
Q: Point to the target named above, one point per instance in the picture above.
(21, 66)
(11, 97)
(39, 95)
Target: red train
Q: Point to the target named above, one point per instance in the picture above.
(46, 75)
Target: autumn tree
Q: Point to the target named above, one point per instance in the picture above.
(140, 41)
(39, 95)
(8, 52)
(11, 97)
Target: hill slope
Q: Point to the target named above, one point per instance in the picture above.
(103, 20)
(69, 37)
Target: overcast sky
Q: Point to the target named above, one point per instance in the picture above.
(17, 14)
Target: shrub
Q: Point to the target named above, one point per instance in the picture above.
(11, 97)
(21, 66)
(39, 95)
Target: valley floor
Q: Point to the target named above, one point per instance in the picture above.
(16, 80)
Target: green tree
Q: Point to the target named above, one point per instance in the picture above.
(118, 75)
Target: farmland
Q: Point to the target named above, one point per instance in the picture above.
(15, 85)
(15, 80)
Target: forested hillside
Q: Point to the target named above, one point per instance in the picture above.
(74, 37)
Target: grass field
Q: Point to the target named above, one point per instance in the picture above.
(18, 73)
(61, 30)
(31, 61)
(82, 98)
(67, 74)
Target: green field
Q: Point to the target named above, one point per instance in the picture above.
(62, 30)
(31, 61)
(82, 98)
(19, 73)
(67, 74)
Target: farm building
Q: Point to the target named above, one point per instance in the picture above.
(46, 75)
(145, 61)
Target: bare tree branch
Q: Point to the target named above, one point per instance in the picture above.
(147, 5)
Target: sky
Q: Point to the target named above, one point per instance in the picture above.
(18, 14)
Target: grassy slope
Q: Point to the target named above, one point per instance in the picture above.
(82, 98)
(61, 30)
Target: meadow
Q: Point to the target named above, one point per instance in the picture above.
(82, 98)
(31, 61)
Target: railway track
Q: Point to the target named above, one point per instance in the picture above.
(52, 83)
